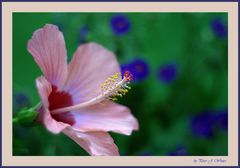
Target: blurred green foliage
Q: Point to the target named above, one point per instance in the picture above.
(164, 110)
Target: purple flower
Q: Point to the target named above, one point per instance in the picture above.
(138, 68)
(20, 100)
(202, 125)
(120, 24)
(167, 73)
(219, 28)
(83, 32)
(179, 151)
(221, 119)
(205, 124)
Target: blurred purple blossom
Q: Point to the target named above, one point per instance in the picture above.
(120, 24)
(219, 28)
(167, 73)
(83, 32)
(179, 151)
(20, 100)
(138, 68)
(202, 125)
(221, 119)
(205, 124)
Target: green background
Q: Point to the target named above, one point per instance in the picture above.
(163, 110)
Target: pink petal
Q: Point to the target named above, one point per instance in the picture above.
(44, 89)
(91, 65)
(48, 49)
(108, 116)
(95, 143)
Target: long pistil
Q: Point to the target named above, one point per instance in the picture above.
(112, 91)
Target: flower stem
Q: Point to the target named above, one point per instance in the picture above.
(26, 115)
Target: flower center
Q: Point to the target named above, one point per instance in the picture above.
(139, 68)
(120, 24)
(59, 99)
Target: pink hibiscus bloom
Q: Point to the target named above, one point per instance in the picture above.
(76, 98)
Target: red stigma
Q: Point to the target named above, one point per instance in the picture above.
(59, 99)
(128, 76)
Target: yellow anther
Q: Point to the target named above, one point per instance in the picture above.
(115, 86)
(114, 99)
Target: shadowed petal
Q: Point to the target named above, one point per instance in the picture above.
(95, 143)
(44, 89)
(90, 67)
(48, 49)
(107, 116)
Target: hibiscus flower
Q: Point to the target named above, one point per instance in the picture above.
(76, 98)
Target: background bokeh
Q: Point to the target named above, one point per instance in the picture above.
(179, 91)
